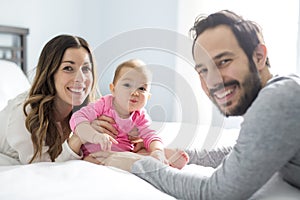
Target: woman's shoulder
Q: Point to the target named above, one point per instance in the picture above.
(17, 101)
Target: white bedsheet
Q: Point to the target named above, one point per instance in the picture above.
(77, 180)
(82, 180)
(73, 180)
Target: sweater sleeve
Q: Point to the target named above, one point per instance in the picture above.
(212, 158)
(266, 143)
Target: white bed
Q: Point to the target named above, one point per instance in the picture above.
(83, 180)
(77, 179)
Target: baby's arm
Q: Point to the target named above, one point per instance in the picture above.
(88, 134)
(156, 150)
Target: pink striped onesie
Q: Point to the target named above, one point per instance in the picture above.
(138, 119)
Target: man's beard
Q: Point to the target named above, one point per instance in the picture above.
(252, 85)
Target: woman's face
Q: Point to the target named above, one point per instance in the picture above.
(73, 79)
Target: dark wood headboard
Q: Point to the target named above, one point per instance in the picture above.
(13, 45)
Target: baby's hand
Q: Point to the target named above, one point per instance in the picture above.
(159, 155)
(104, 140)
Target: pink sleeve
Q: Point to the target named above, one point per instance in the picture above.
(148, 135)
(87, 113)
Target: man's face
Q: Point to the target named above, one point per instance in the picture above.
(224, 71)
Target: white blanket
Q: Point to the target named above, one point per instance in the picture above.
(82, 180)
(73, 180)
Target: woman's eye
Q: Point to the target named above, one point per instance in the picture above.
(68, 68)
(86, 69)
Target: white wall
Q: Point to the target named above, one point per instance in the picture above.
(41, 18)
(279, 21)
(156, 31)
(100, 22)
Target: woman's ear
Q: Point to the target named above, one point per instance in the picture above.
(112, 88)
(260, 56)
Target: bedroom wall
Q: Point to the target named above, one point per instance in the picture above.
(280, 21)
(101, 22)
(113, 26)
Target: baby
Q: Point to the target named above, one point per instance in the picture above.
(129, 94)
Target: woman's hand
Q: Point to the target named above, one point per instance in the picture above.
(121, 160)
(74, 143)
(104, 125)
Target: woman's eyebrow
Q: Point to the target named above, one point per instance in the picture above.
(68, 61)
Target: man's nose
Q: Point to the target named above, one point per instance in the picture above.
(213, 78)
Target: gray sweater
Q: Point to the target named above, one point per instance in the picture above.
(269, 142)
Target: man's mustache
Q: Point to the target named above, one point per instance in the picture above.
(222, 86)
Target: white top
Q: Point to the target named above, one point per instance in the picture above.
(15, 140)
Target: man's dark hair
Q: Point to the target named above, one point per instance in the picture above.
(247, 33)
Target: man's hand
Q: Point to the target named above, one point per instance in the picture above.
(121, 160)
(160, 155)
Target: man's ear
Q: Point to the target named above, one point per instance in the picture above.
(260, 56)
(112, 88)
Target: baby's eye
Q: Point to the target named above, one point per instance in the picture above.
(142, 89)
(126, 85)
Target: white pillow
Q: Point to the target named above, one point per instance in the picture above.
(12, 81)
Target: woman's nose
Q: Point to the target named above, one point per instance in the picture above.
(79, 76)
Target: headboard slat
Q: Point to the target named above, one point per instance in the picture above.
(16, 51)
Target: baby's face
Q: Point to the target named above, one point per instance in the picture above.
(131, 91)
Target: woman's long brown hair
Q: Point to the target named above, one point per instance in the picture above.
(38, 108)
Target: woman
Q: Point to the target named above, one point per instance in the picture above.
(35, 125)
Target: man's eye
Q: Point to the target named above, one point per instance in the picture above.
(202, 71)
(224, 62)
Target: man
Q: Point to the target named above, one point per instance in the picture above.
(232, 63)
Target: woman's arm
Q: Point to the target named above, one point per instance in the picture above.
(104, 124)
(87, 133)
(74, 143)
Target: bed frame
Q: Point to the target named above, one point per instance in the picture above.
(13, 45)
